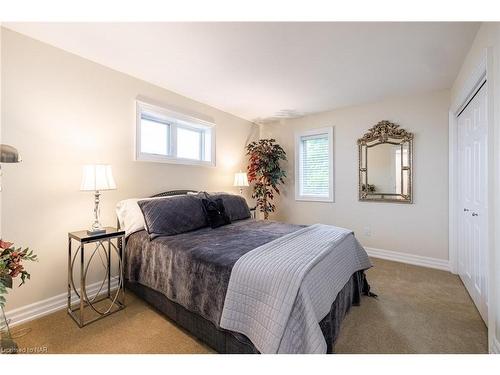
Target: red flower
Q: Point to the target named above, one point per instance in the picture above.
(5, 245)
(16, 271)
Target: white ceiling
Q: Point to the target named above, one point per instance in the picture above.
(263, 70)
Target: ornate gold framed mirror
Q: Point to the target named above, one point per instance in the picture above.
(385, 164)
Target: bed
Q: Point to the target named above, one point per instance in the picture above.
(186, 277)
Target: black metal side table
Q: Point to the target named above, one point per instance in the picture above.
(100, 247)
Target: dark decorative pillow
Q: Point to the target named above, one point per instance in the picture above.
(216, 212)
(174, 215)
(236, 206)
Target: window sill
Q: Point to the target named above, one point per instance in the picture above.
(314, 199)
(163, 159)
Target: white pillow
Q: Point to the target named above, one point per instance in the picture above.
(130, 215)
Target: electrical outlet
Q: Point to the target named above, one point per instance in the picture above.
(368, 231)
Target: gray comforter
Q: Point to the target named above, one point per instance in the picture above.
(193, 268)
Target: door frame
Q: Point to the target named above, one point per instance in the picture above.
(482, 72)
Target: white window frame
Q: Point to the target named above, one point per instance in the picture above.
(175, 120)
(308, 133)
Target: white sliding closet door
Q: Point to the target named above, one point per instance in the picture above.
(473, 204)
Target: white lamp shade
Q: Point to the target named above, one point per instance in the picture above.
(240, 179)
(97, 177)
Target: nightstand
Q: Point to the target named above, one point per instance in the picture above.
(89, 303)
(253, 211)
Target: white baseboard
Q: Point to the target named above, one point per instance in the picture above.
(495, 346)
(47, 306)
(416, 260)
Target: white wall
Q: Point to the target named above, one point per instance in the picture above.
(61, 112)
(488, 37)
(420, 228)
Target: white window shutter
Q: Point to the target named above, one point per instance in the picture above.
(314, 165)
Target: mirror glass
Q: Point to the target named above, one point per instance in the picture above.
(384, 163)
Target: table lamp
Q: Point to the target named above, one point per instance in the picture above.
(8, 154)
(240, 180)
(96, 178)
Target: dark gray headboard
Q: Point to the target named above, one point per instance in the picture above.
(174, 192)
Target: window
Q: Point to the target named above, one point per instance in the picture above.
(167, 136)
(314, 165)
(154, 136)
(189, 143)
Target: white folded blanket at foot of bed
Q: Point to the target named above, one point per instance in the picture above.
(279, 292)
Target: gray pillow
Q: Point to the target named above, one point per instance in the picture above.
(236, 206)
(174, 215)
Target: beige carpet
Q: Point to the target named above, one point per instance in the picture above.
(419, 310)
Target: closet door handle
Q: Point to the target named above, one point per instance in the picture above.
(466, 210)
(474, 214)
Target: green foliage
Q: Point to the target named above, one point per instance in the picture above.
(265, 172)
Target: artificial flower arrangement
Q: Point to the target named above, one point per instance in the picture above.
(265, 171)
(11, 266)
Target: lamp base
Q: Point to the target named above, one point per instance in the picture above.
(94, 232)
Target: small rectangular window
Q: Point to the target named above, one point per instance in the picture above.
(314, 165)
(167, 136)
